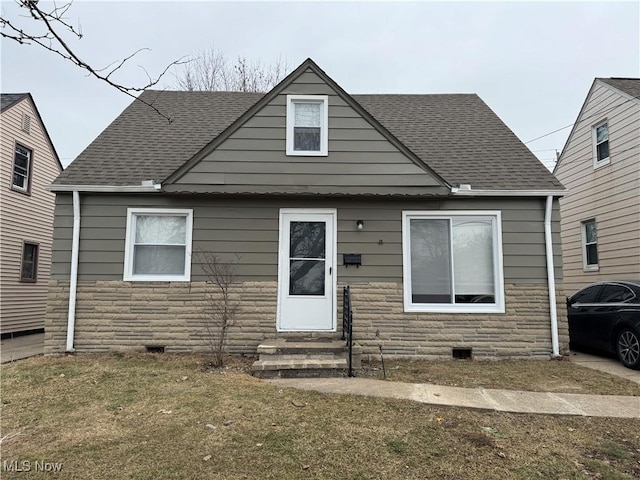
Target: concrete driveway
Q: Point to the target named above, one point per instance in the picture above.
(604, 364)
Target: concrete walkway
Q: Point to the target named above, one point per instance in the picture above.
(487, 399)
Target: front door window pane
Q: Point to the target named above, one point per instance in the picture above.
(306, 277)
(307, 240)
(307, 251)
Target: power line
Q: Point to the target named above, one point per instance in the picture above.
(599, 114)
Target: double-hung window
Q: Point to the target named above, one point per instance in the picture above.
(452, 261)
(21, 179)
(589, 245)
(158, 244)
(601, 144)
(307, 125)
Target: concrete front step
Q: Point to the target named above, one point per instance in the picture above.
(308, 367)
(304, 358)
(299, 347)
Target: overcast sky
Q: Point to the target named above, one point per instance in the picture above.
(532, 63)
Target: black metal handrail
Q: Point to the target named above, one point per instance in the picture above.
(347, 325)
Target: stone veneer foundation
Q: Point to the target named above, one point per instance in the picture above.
(121, 316)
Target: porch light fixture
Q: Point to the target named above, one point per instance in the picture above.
(359, 224)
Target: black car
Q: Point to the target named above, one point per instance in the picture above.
(606, 316)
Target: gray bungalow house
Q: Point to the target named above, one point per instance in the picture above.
(443, 224)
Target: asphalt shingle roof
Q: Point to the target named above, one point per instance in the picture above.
(8, 99)
(630, 86)
(458, 136)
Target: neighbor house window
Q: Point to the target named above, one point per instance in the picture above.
(21, 180)
(452, 261)
(158, 244)
(307, 124)
(590, 245)
(601, 144)
(29, 264)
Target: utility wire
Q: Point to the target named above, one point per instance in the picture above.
(599, 114)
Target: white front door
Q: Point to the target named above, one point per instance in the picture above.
(306, 270)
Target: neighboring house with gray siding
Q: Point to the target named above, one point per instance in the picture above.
(455, 222)
(29, 163)
(600, 166)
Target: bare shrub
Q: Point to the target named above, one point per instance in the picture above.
(219, 308)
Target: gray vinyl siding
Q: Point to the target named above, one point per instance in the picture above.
(25, 218)
(249, 228)
(359, 155)
(608, 194)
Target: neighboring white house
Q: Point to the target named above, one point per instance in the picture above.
(29, 163)
(600, 167)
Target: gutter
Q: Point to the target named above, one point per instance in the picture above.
(548, 243)
(465, 190)
(147, 186)
(73, 280)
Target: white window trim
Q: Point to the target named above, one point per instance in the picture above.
(324, 128)
(129, 240)
(583, 236)
(409, 306)
(594, 136)
(27, 188)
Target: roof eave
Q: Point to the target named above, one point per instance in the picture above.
(508, 193)
(155, 188)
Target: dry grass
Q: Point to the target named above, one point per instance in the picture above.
(530, 375)
(146, 417)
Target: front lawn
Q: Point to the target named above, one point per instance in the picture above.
(558, 376)
(164, 417)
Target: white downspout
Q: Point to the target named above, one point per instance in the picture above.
(73, 281)
(548, 243)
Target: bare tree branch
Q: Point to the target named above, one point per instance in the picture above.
(210, 70)
(51, 39)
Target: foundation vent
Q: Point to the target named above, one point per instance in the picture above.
(461, 353)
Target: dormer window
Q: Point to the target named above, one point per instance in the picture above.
(307, 125)
(601, 144)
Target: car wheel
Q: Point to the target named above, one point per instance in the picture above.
(628, 348)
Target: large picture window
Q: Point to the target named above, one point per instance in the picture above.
(307, 118)
(452, 262)
(158, 244)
